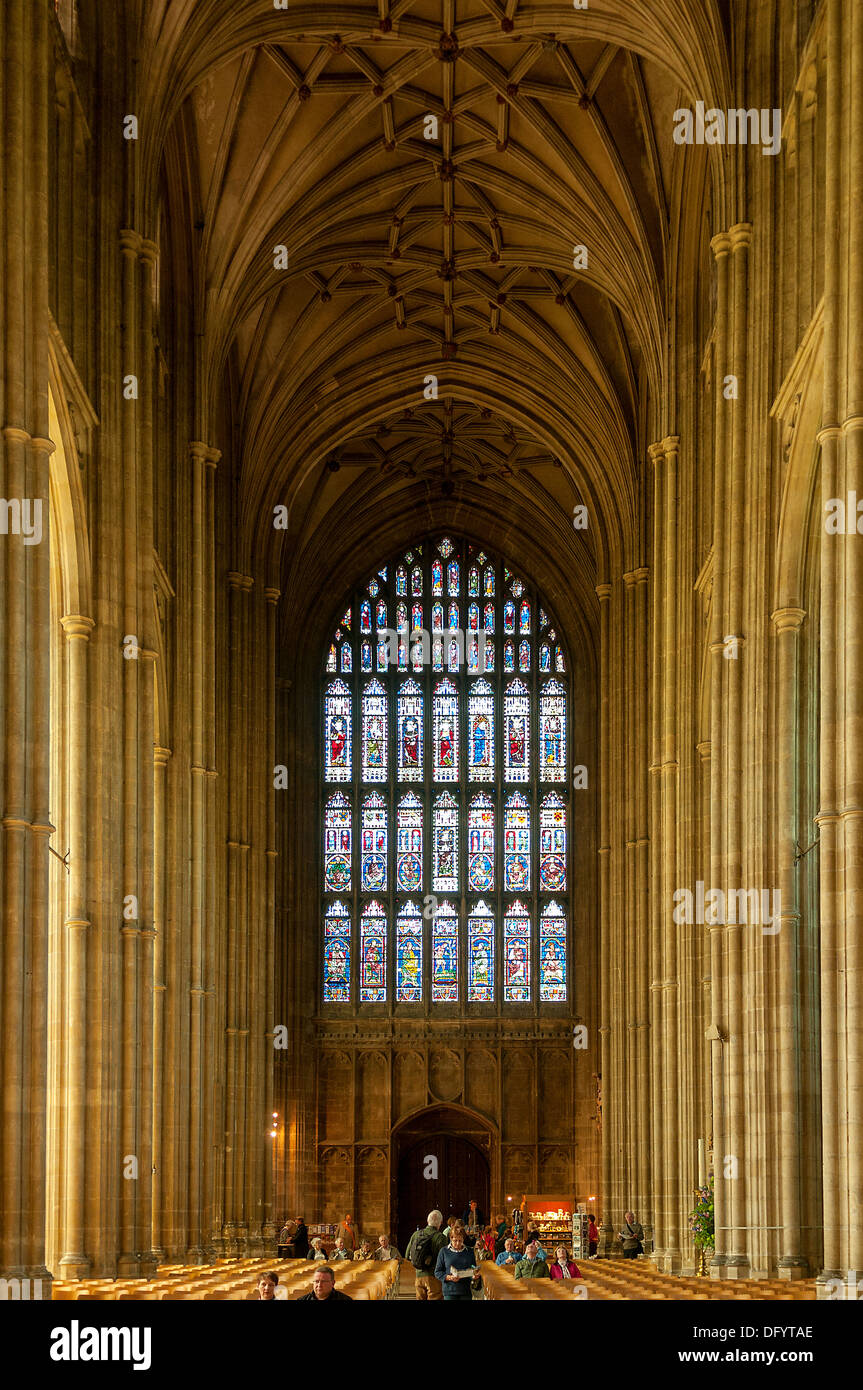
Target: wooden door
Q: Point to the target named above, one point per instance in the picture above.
(462, 1173)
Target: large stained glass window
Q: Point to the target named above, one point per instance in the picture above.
(337, 954)
(516, 844)
(445, 953)
(552, 844)
(374, 733)
(337, 844)
(516, 955)
(409, 954)
(374, 847)
(480, 844)
(480, 954)
(552, 954)
(373, 954)
(445, 844)
(445, 854)
(409, 860)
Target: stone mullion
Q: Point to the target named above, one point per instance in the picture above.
(657, 848)
(630, 675)
(607, 1033)
(720, 245)
(260, 779)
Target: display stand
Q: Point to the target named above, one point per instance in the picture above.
(553, 1218)
(580, 1238)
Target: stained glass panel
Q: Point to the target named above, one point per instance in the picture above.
(445, 725)
(444, 954)
(488, 660)
(374, 733)
(524, 617)
(381, 613)
(347, 660)
(366, 657)
(508, 656)
(559, 660)
(473, 582)
(401, 580)
(409, 858)
(552, 732)
(331, 658)
(524, 655)
(480, 726)
(437, 577)
(365, 616)
(337, 844)
(545, 657)
(373, 954)
(473, 617)
(488, 617)
(409, 954)
(454, 654)
(509, 616)
(480, 844)
(383, 654)
(416, 580)
(552, 955)
(516, 732)
(337, 733)
(452, 580)
(437, 654)
(410, 733)
(488, 588)
(516, 844)
(453, 616)
(552, 845)
(373, 863)
(445, 845)
(480, 955)
(437, 617)
(516, 955)
(337, 954)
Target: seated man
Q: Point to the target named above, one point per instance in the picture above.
(365, 1251)
(508, 1255)
(386, 1250)
(339, 1251)
(531, 1266)
(324, 1289)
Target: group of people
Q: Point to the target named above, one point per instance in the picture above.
(447, 1258)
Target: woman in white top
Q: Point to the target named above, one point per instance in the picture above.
(317, 1251)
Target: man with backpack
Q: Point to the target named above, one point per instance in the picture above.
(423, 1249)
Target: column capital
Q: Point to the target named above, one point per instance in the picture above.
(130, 242)
(639, 576)
(77, 627)
(204, 453)
(148, 251)
(740, 235)
(240, 581)
(272, 595)
(161, 755)
(703, 750)
(603, 592)
(656, 453)
(787, 619)
(720, 245)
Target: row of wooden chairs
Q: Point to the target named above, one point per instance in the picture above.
(233, 1280)
(612, 1280)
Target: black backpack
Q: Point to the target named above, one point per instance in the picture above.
(422, 1257)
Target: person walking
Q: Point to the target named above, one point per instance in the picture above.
(423, 1249)
(472, 1218)
(631, 1236)
(531, 1265)
(456, 1268)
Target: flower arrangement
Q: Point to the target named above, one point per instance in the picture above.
(701, 1218)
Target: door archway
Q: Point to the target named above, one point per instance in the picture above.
(441, 1158)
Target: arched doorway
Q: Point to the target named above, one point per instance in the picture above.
(440, 1158)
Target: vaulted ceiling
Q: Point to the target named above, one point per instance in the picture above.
(471, 190)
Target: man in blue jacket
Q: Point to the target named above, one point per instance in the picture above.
(456, 1268)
